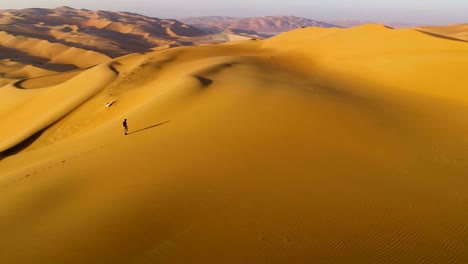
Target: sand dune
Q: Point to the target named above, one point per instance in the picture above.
(315, 146)
(26, 72)
(55, 53)
(393, 59)
(62, 96)
(26, 57)
(457, 31)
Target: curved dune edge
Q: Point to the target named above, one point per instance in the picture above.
(289, 150)
(46, 80)
(59, 100)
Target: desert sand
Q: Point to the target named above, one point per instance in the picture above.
(314, 146)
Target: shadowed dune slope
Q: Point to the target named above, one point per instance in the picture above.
(315, 146)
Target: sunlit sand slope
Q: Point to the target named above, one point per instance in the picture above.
(316, 146)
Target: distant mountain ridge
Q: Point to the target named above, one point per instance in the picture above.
(266, 25)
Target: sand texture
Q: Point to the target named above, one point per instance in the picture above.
(314, 146)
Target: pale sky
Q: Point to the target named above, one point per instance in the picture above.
(413, 11)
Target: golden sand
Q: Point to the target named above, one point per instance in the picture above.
(316, 146)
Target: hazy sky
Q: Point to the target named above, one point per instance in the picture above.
(418, 11)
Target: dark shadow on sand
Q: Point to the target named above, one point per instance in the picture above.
(440, 36)
(21, 146)
(204, 81)
(39, 62)
(160, 124)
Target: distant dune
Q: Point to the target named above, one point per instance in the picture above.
(269, 25)
(319, 145)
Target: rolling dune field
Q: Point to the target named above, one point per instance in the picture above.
(314, 146)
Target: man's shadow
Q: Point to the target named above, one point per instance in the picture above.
(160, 124)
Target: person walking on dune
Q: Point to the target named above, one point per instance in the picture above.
(125, 126)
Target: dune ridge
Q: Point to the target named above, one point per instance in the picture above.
(457, 31)
(314, 146)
